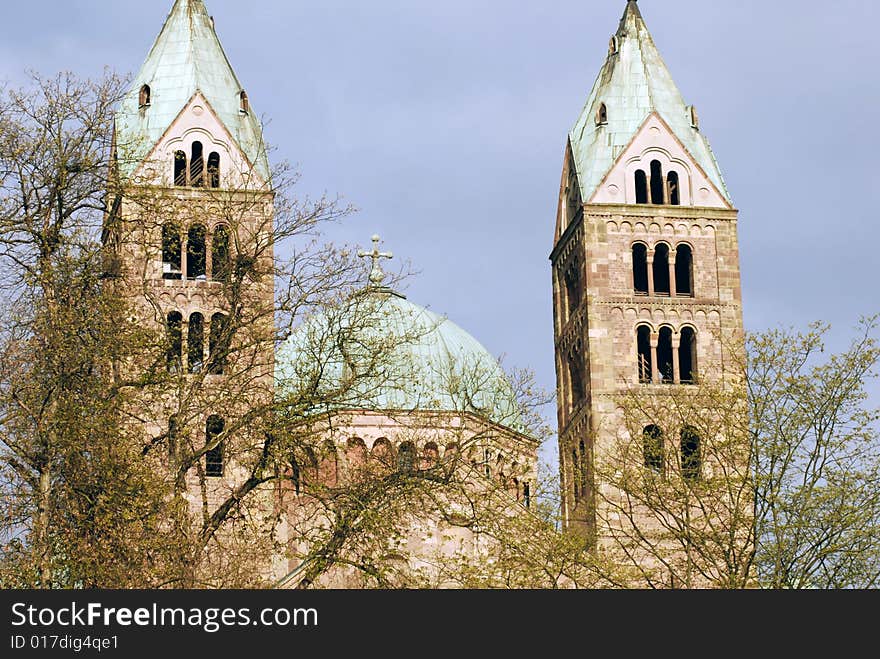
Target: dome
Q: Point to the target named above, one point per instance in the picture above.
(379, 351)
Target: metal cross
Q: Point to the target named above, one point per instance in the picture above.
(376, 274)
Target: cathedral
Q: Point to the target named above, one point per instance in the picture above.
(645, 290)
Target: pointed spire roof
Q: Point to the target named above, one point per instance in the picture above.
(186, 58)
(633, 83)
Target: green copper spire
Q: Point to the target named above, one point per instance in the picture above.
(633, 83)
(186, 58)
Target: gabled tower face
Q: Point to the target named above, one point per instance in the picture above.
(646, 281)
(191, 232)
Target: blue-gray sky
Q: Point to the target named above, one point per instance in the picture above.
(445, 123)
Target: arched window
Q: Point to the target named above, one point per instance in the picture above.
(218, 344)
(214, 170)
(220, 261)
(430, 455)
(687, 356)
(573, 291)
(641, 187)
(652, 447)
(195, 341)
(214, 456)
(175, 341)
(673, 192)
(383, 453)
(613, 45)
(656, 182)
(661, 269)
(145, 96)
(407, 458)
(171, 252)
(691, 466)
(665, 356)
(197, 166)
(294, 474)
(575, 474)
(527, 495)
(684, 271)
(643, 341)
(576, 377)
(328, 468)
(244, 104)
(602, 115)
(355, 454)
(180, 171)
(583, 472)
(640, 268)
(195, 252)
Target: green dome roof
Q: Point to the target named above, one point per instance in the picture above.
(378, 351)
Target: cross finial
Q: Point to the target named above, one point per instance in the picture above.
(376, 274)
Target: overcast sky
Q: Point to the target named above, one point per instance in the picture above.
(445, 123)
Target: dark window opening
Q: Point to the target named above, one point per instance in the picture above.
(656, 182)
(684, 271)
(665, 356)
(244, 103)
(407, 458)
(383, 453)
(179, 168)
(602, 115)
(214, 170)
(687, 356)
(197, 166)
(220, 261)
(214, 456)
(171, 252)
(672, 186)
(145, 96)
(575, 371)
(487, 457)
(196, 261)
(640, 268)
(652, 447)
(641, 187)
(583, 475)
(575, 478)
(430, 455)
(174, 354)
(196, 342)
(527, 495)
(643, 341)
(690, 453)
(219, 341)
(573, 287)
(661, 269)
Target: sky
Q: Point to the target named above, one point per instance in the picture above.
(444, 123)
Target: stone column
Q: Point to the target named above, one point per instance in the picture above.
(655, 367)
(184, 248)
(676, 367)
(672, 284)
(209, 274)
(650, 259)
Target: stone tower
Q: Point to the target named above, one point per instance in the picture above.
(191, 228)
(646, 280)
